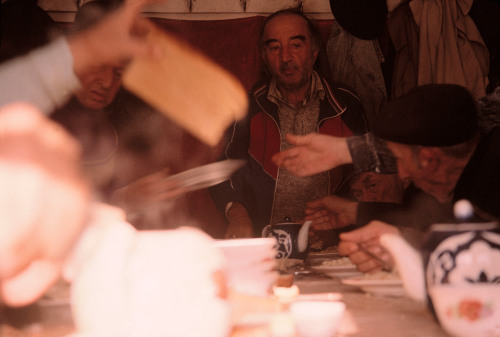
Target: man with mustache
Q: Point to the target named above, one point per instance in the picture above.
(296, 100)
(86, 115)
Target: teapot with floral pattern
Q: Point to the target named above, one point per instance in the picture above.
(457, 272)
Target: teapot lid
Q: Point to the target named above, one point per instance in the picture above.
(465, 212)
(287, 221)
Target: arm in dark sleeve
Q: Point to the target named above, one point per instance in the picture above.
(418, 210)
(354, 116)
(370, 153)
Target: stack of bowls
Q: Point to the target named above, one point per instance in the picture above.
(250, 265)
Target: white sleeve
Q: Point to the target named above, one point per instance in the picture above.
(44, 77)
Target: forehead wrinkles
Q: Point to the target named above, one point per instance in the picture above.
(285, 27)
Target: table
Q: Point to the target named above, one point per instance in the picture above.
(378, 316)
(366, 315)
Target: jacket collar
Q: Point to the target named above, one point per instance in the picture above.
(331, 105)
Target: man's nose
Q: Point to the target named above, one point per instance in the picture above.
(285, 54)
(106, 77)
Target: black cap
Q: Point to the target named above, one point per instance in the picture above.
(365, 19)
(433, 115)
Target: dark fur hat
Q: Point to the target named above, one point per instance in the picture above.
(435, 115)
(365, 19)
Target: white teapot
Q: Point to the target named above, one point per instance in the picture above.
(458, 272)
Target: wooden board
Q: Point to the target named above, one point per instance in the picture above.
(188, 87)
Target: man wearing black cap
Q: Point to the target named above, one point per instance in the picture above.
(433, 133)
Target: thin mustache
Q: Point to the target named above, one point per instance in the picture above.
(286, 67)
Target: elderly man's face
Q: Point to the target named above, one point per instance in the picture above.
(99, 86)
(373, 187)
(430, 170)
(288, 52)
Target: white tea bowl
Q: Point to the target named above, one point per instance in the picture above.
(317, 318)
(250, 264)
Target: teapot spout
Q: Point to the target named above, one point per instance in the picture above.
(303, 238)
(409, 264)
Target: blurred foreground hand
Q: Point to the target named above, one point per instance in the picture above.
(363, 247)
(44, 201)
(116, 39)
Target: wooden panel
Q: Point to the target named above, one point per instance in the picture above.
(217, 6)
(64, 10)
(171, 6)
(57, 5)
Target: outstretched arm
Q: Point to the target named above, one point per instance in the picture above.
(313, 154)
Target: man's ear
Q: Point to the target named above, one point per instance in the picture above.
(315, 54)
(428, 159)
(406, 182)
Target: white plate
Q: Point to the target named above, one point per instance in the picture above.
(339, 267)
(206, 175)
(339, 272)
(330, 254)
(390, 291)
(362, 282)
(318, 259)
(389, 287)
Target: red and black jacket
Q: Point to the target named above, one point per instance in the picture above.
(256, 138)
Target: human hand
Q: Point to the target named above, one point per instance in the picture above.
(331, 212)
(312, 154)
(363, 247)
(114, 40)
(240, 225)
(151, 189)
(43, 205)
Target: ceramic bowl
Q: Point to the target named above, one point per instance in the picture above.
(247, 251)
(317, 318)
(250, 265)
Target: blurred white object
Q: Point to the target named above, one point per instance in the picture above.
(282, 325)
(146, 283)
(468, 310)
(44, 202)
(286, 295)
(317, 318)
(250, 264)
(463, 210)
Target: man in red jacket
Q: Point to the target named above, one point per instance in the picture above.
(295, 100)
